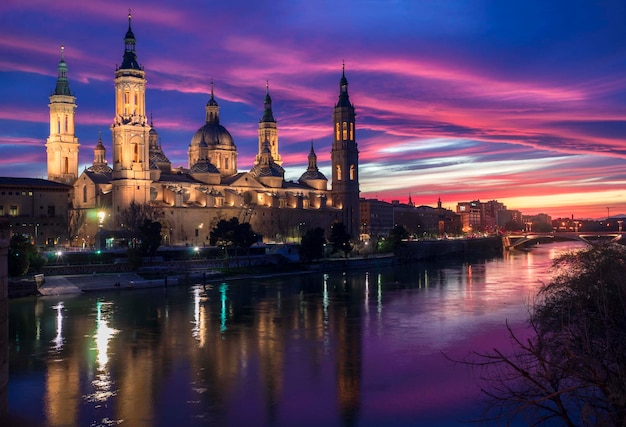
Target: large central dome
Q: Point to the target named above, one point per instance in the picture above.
(213, 142)
(212, 135)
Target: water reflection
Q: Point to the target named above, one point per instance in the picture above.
(356, 349)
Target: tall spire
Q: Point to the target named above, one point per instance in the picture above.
(212, 109)
(268, 115)
(63, 85)
(344, 99)
(130, 56)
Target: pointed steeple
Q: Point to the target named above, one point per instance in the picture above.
(313, 176)
(268, 115)
(344, 99)
(410, 201)
(63, 84)
(212, 109)
(130, 56)
(99, 158)
(312, 160)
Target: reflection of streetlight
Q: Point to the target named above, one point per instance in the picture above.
(36, 228)
(619, 225)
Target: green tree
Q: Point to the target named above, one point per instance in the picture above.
(22, 256)
(573, 368)
(232, 233)
(312, 244)
(150, 237)
(340, 238)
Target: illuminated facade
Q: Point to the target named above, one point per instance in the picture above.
(212, 187)
(62, 144)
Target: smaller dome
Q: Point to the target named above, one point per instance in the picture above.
(158, 157)
(311, 175)
(100, 168)
(204, 166)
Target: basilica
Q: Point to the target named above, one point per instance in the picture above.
(212, 186)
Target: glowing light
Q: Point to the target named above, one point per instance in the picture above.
(58, 340)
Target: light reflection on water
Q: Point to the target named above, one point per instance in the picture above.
(361, 348)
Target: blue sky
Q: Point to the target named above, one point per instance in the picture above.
(523, 102)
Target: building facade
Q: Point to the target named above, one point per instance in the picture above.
(212, 186)
(37, 208)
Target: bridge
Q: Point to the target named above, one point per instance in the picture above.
(513, 241)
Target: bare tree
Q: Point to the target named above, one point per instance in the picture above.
(573, 366)
(132, 217)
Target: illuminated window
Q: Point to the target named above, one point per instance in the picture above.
(352, 172)
(351, 131)
(337, 132)
(338, 173)
(345, 131)
(13, 211)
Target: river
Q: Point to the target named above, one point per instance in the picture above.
(357, 348)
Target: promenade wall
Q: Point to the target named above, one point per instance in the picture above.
(424, 250)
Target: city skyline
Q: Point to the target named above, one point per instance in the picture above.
(523, 104)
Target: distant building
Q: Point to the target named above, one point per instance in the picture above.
(36, 208)
(378, 219)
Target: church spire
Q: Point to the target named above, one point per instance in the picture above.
(212, 109)
(63, 84)
(268, 131)
(129, 61)
(268, 115)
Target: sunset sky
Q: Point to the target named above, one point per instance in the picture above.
(519, 101)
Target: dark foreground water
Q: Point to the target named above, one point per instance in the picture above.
(361, 348)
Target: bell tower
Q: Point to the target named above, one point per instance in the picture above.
(62, 144)
(131, 131)
(268, 130)
(345, 160)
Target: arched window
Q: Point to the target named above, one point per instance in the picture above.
(337, 132)
(84, 194)
(352, 172)
(136, 153)
(58, 124)
(338, 172)
(66, 165)
(66, 130)
(345, 131)
(351, 131)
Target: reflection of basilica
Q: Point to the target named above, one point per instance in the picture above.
(201, 357)
(211, 187)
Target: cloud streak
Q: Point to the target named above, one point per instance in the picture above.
(524, 103)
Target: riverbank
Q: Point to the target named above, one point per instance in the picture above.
(68, 279)
(165, 275)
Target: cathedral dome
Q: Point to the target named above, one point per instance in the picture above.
(212, 135)
(204, 166)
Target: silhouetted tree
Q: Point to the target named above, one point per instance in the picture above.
(150, 237)
(23, 255)
(232, 233)
(573, 368)
(340, 238)
(312, 244)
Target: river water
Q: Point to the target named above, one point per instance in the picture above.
(356, 348)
